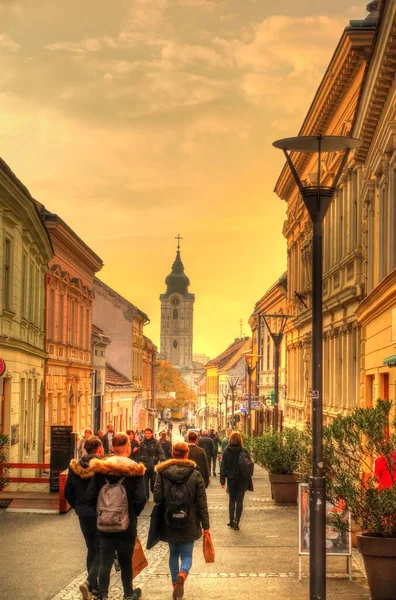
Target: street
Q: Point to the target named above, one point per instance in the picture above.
(262, 558)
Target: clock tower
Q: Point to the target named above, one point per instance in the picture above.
(177, 306)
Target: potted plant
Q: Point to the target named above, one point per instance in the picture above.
(283, 453)
(3, 459)
(360, 466)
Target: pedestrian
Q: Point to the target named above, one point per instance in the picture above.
(225, 440)
(78, 479)
(238, 482)
(100, 434)
(216, 441)
(180, 487)
(198, 456)
(108, 439)
(150, 454)
(81, 443)
(169, 434)
(134, 445)
(206, 443)
(166, 445)
(118, 469)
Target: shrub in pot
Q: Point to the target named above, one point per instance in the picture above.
(351, 444)
(283, 453)
(3, 459)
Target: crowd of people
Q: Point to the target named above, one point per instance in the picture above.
(110, 483)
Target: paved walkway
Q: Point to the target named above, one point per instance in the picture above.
(261, 559)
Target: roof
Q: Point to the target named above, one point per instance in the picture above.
(117, 295)
(177, 281)
(246, 347)
(116, 379)
(223, 358)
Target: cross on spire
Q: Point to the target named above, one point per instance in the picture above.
(178, 238)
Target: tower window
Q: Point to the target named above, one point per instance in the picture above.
(175, 313)
(174, 344)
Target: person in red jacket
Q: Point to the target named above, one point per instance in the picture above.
(382, 471)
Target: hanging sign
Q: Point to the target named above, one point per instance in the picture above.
(2, 367)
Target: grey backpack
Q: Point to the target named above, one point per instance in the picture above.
(112, 507)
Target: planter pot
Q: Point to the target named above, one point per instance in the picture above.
(379, 555)
(284, 488)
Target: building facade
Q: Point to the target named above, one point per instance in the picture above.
(149, 361)
(25, 251)
(100, 341)
(69, 367)
(332, 112)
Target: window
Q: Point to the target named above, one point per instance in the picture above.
(61, 317)
(81, 326)
(31, 291)
(175, 313)
(268, 351)
(51, 316)
(7, 273)
(23, 283)
(175, 344)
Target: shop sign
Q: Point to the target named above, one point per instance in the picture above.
(2, 367)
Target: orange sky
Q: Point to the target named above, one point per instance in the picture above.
(135, 120)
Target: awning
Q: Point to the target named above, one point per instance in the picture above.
(390, 361)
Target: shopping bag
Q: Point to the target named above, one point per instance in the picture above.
(139, 560)
(156, 520)
(208, 548)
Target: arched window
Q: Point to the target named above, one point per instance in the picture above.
(174, 344)
(175, 313)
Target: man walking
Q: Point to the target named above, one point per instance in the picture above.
(108, 439)
(198, 456)
(216, 442)
(78, 480)
(112, 472)
(150, 454)
(206, 443)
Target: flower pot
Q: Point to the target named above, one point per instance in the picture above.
(379, 555)
(284, 488)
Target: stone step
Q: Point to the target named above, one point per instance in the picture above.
(29, 505)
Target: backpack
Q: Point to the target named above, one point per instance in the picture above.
(112, 508)
(178, 504)
(245, 466)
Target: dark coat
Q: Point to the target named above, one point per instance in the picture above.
(178, 470)
(151, 453)
(216, 440)
(105, 442)
(167, 448)
(201, 460)
(114, 468)
(229, 465)
(77, 482)
(134, 455)
(206, 443)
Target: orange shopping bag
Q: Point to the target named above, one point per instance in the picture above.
(139, 560)
(208, 548)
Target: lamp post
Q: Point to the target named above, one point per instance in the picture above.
(206, 413)
(233, 382)
(317, 199)
(278, 322)
(250, 370)
(221, 400)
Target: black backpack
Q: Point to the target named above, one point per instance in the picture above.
(178, 504)
(245, 465)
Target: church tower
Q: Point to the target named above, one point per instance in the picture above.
(177, 306)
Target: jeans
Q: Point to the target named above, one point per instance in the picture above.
(182, 551)
(214, 459)
(89, 531)
(237, 494)
(149, 476)
(109, 543)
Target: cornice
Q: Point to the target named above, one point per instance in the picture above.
(381, 298)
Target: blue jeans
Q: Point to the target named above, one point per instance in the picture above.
(182, 551)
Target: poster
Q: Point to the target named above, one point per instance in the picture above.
(337, 542)
(14, 434)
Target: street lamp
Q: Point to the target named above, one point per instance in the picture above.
(221, 400)
(250, 370)
(317, 200)
(278, 322)
(233, 382)
(206, 413)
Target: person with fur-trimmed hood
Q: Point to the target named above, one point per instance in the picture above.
(181, 473)
(78, 480)
(111, 470)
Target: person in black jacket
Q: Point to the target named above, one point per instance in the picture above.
(107, 440)
(112, 469)
(237, 486)
(216, 442)
(78, 479)
(198, 456)
(206, 443)
(166, 445)
(181, 540)
(150, 454)
(134, 455)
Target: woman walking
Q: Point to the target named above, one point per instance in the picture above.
(181, 489)
(238, 479)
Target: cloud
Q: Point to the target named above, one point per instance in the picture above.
(6, 43)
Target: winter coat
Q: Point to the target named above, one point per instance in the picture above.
(114, 468)
(224, 444)
(151, 453)
(216, 440)
(201, 460)
(175, 470)
(134, 455)
(206, 443)
(78, 479)
(167, 448)
(229, 467)
(106, 443)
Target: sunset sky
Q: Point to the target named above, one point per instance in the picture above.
(135, 120)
